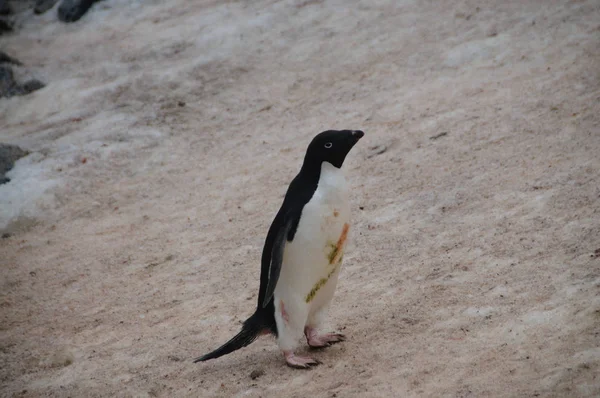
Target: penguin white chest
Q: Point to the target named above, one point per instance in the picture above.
(311, 262)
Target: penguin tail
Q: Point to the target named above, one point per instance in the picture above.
(251, 329)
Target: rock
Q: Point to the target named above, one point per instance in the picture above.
(440, 135)
(4, 8)
(9, 86)
(72, 10)
(31, 85)
(41, 6)
(7, 82)
(7, 59)
(5, 26)
(8, 155)
(256, 373)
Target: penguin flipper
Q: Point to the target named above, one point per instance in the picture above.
(277, 256)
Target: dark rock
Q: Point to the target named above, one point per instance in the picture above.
(41, 6)
(440, 135)
(7, 59)
(9, 86)
(5, 26)
(31, 85)
(72, 10)
(8, 155)
(4, 8)
(256, 373)
(7, 82)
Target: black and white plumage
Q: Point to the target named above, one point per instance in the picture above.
(302, 254)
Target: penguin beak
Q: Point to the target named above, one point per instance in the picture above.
(357, 134)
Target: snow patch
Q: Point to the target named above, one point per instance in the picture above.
(28, 195)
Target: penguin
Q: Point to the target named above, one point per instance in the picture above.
(302, 254)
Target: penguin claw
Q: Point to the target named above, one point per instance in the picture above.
(298, 362)
(324, 340)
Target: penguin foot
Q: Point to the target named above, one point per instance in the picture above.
(298, 362)
(324, 340)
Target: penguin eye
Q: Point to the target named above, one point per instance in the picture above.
(328, 145)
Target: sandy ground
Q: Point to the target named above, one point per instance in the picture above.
(169, 131)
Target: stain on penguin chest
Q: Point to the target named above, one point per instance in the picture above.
(334, 253)
(336, 250)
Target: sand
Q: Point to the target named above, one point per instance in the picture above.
(165, 139)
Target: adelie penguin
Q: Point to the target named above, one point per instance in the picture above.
(303, 253)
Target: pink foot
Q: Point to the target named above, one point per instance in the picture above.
(298, 362)
(316, 340)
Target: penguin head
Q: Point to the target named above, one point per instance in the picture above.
(331, 146)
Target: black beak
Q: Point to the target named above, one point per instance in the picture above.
(357, 134)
